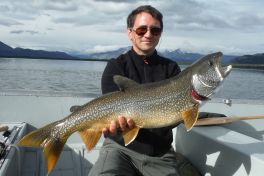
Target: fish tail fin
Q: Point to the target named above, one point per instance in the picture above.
(90, 137)
(52, 150)
(36, 138)
(52, 146)
(190, 116)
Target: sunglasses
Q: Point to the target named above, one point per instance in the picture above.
(143, 30)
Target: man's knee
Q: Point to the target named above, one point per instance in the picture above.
(111, 162)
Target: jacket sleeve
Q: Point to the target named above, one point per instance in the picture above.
(173, 68)
(107, 83)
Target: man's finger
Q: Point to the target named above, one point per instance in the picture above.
(105, 131)
(112, 128)
(122, 122)
(130, 123)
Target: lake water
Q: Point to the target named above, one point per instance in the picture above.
(85, 77)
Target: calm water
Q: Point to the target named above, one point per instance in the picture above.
(84, 76)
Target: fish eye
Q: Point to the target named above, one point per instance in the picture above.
(210, 62)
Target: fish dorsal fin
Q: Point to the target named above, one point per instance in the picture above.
(124, 82)
(130, 134)
(190, 116)
(90, 137)
(75, 108)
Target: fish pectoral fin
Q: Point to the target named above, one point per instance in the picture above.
(130, 134)
(190, 116)
(75, 108)
(90, 137)
(123, 82)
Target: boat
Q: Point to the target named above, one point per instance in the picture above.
(218, 150)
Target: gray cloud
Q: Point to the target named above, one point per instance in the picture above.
(109, 8)
(181, 8)
(57, 5)
(26, 31)
(77, 21)
(8, 22)
(119, 1)
(31, 32)
(24, 9)
(191, 15)
(61, 1)
(114, 28)
(19, 11)
(85, 20)
(4, 9)
(65, 20)
(97, 13)
(202, 21)
(207, 25)
(250, 20)
(17, 31)
(19, 16)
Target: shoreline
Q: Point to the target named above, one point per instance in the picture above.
(244, 66)
(50, 58)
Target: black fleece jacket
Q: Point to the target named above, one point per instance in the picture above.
(142, 69)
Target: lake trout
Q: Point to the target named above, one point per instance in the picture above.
(150, 105)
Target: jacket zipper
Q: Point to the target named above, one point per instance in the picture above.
(151, 138)
(146, 63)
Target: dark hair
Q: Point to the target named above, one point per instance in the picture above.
(147, 8)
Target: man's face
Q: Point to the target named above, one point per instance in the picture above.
(144, 44)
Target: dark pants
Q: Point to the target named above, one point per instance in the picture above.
(116, 160)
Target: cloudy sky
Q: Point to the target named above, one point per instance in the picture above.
(234, 27)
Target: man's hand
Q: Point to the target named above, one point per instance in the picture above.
(123, 124)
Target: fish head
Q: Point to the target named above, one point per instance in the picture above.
(208, 76)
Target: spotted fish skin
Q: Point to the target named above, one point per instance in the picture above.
(150, 105)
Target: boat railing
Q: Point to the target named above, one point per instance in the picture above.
(45, 93)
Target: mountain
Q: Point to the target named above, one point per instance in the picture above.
(109, 54)
(249, 59)
(180, 56)
(4, 47)
(81, 56)
(177, 55)
(227, 58)
(7, 51)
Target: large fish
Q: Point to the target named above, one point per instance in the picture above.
(150, 105)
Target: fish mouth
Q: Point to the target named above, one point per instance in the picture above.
(197, 96)
(226, 70)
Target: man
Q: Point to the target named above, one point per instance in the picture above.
(150, 153)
